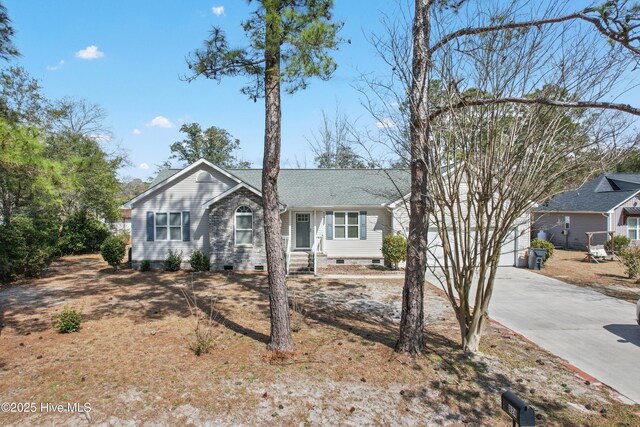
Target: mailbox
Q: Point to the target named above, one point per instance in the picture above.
(521, 413)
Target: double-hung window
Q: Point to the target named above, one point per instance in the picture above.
(633, 228)
(168, 225)
(346, 225)
(244, 226)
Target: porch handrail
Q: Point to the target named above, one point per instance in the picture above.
(317, 244)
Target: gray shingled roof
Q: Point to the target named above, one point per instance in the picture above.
(162, 175)
(327, 187)
(598, 195)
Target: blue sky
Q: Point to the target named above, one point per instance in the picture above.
(128, 57)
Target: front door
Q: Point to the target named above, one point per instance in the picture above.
(303, 230)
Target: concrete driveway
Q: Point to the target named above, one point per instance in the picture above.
(595, 333)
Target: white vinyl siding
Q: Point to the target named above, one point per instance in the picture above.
(378, 224)
(183, 194)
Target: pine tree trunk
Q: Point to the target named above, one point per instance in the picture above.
(280, 336)
(412, 321)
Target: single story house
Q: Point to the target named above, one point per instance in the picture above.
(608, 203)
(329, 216)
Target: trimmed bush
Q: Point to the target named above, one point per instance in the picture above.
(617, 244)
(631, 260)
(81, 234)
(394, 249)
(543, 244)
(27, 247)
(199, 260)
(145, 265)
(113, 250)
(173, 260)
(68, 321)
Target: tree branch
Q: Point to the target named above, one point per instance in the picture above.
(621, 34)
(470, 31)
(537, 101)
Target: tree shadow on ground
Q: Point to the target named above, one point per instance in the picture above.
(471, 388)
(369, 327)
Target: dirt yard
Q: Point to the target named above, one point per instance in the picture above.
(132, 363)
(368, 269)
(607, 277)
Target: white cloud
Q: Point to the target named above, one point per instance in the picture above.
(161, 122)
(385, 123)
(143, 166)
(55, 67)
(218, 10)
(136, 131)
(90, 52)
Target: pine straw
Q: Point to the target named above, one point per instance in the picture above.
(132, 362)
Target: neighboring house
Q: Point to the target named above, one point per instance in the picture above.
(123, 224)
(329, 216)
(608, 203)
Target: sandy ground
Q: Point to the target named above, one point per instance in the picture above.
(132, 363)
(607, 277)
(359, 270)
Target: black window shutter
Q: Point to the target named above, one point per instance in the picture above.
(150, 227)
(186, 226)
(329, 224)
(363, 225)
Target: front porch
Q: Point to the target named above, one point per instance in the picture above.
(302, 240)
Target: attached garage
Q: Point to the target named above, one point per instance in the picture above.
(512, 253)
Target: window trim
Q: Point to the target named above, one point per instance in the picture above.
(636, 228)
(168, 226)
(346, 225)
(235, 225)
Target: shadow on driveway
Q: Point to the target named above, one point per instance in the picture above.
(627, 333)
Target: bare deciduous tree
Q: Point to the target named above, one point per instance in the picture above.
(82, 117)
(512, 99)
(332, 144)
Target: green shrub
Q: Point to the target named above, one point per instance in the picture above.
(543, 244)
(199, 260)
(113, 250)
(394, 249)
(27, 247)
(145, 265)
(82, 233)
(69, 321)
(617, 244)
(631, 260)
(173, 260)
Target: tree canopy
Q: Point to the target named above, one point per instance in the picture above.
(7, 48)
(214, 144)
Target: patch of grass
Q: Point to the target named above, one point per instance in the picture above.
(69, 320)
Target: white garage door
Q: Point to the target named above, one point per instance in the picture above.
(507, 254)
